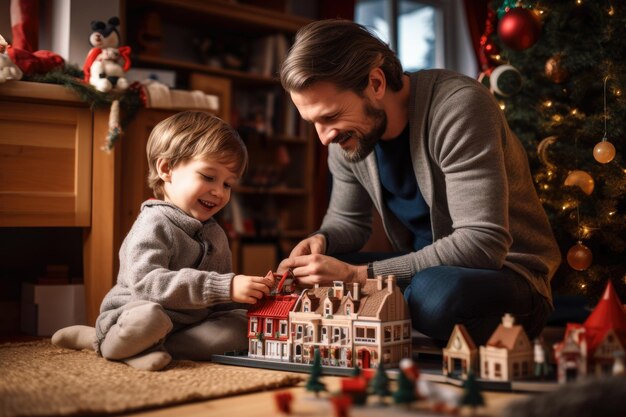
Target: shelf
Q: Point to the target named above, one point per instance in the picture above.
(174, 64)
(247, 189)
(227, 13)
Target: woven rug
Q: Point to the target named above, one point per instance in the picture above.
(37, 379)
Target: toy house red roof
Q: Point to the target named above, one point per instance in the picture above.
(608, 314)
(276, 306)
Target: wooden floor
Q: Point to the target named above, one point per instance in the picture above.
(306, 405)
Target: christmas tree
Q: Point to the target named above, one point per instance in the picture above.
(558, 69)
(314, 383)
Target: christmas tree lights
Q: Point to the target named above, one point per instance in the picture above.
(570, 114)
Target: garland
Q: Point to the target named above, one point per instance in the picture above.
(129, 101)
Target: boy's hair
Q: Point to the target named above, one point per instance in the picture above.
(340, 52)
(189, 135)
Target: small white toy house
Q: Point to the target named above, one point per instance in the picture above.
(460, 356)
(508, 354)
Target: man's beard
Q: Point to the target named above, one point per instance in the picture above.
(366, 143)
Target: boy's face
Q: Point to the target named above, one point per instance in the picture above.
(200, 187)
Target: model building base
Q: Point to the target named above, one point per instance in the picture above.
(433, 375)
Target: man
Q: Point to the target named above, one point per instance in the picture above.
(433, 153)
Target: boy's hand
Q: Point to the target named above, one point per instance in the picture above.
(249, 289)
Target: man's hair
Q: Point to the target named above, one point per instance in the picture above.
(340, 52)
(192, 134)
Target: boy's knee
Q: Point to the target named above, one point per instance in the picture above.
(148, 319)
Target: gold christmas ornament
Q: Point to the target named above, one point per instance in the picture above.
(580, 179)
(554, 69)
(579, 257)
(604, 152)
(542, 149)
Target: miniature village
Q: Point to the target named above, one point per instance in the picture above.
(366, 331)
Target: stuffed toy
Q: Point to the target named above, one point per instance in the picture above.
(8, 70)
(107, 62)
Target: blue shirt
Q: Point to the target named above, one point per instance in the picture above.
(401, 194)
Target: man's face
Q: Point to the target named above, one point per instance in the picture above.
(342, 117)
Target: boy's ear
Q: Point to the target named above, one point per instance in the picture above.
(164, 170)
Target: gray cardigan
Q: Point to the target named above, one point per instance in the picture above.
(172, 259)
(473, 173)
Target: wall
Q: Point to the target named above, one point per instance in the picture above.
(65, 25)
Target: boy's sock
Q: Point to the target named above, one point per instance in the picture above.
(75, 337)
(151, 361)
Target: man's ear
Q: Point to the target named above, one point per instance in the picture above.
(378, 82)
(164, 170)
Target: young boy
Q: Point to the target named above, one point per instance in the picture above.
(174, 284)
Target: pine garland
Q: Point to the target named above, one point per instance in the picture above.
(71, 78)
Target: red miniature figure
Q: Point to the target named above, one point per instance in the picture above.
(283, 401)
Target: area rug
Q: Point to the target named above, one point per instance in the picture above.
(39, 379)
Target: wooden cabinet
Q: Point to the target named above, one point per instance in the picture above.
(45, 154)
(237, 51)
(56, 175)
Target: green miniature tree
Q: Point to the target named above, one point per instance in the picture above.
(314, 384)
(380, 383)
(405, 394)
(471, 393)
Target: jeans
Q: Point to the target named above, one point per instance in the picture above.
(442, 296)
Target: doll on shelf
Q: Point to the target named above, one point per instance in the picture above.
(107, 62)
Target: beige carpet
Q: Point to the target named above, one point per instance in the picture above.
(39, 379)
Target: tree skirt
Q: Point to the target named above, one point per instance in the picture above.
(37, 378)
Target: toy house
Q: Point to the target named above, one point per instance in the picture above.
(268, 323)
(350, 324)
(508, 354)
(460, 354)
(591, 348)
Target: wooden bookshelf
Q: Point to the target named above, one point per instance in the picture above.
(249, 90)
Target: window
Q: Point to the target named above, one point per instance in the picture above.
(283, 327)
(299, 331)
(497, 370)
(371, 333)
(424, 34)
(336, 333)
(396, 332)
(268, 327)
(387, 333)
(360, 332)
(253, 325)
(306, 307)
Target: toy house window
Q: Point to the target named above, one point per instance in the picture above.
(360, 332)
(396, 332)
(348, 309)
(299, 331)
(405, 331)
(525, 370)
(387, 333)
(324, 332)
(344, 333)
(516, 370)
(283, 327)
(387, 356)
(498, 370)
(253, 325)
(371, 333)
(306, 307)
(336, 333)
(486, 368)
(268, 327)
(327, 309)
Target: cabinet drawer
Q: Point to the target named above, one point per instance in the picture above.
(45, 155)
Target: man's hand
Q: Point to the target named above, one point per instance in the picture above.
(249, 289)
(310, 246)
(323, 270)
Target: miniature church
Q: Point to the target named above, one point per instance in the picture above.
(597, 345)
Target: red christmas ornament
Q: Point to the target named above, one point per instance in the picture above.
(519, 28)
(579, 257)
